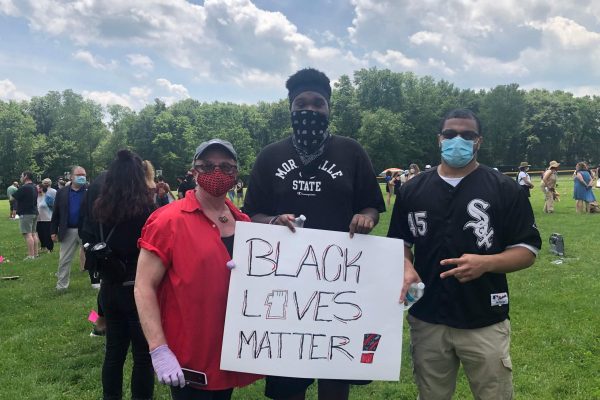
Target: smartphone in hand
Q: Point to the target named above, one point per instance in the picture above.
(195, 379)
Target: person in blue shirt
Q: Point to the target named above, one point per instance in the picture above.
(65, 223)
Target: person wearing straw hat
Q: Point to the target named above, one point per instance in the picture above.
(523, 177)
(549, 186)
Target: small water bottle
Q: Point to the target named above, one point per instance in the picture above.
(415, 292)
(299, 222)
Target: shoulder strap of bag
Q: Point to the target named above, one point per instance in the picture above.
(109, 233)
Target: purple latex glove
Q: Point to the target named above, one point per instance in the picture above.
(231, 264)
(167, 367)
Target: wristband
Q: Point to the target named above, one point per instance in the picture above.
(272, 221)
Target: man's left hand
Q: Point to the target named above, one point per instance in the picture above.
(361, 223)
(468, 267)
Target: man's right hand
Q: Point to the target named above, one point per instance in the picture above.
(54, 237)
(410, 277)
(286, 220)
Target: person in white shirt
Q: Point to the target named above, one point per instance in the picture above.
(523, 178)
(45, 204)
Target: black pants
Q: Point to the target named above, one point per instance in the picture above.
(43, 230)
(188, 393)
(123, 327)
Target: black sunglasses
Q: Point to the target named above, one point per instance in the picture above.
(225, 168)
(467, 135)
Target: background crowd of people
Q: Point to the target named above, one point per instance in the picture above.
(585, 179)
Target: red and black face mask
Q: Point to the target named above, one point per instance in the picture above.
(216, 183)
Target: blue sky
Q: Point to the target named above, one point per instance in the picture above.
(131, 51)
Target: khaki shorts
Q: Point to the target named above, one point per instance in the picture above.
(28, 223)
(438, 350)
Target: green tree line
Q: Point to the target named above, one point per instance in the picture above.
(394, 115)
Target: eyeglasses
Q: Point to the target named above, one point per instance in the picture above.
(467, 135)
(225, 168)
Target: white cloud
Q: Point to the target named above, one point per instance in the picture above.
(568, 33)
(176, 89)
(190, 36)
(136, 98)
(107, 97)
(139, 96)
(235, 43)
(140, 93)
(393, 58)
(492, 67)
(585, 90)
(567, 55)
(7, 7)
(8, 91)
(328, 37)
(424, 37)
(483, 43)
(441, 66)
(93, 61)
(141, 61)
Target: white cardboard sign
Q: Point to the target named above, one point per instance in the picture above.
(314, 304)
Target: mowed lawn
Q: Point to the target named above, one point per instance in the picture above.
(46, 351)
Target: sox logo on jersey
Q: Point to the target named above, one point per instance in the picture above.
(481, 225)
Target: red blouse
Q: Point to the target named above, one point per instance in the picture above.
(193, 293)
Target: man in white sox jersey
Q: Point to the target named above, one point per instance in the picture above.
(327, 178)
(468, 225)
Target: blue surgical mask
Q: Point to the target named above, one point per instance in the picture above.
(457, 152)
(80, 180)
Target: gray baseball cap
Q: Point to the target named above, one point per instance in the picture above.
(223, 144)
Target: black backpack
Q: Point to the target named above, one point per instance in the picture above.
(557, 244)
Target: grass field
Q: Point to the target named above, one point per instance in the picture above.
(46, 353)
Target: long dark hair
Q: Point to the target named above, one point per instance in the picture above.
(125, 193)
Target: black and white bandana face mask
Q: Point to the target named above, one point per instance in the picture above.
(309, 134)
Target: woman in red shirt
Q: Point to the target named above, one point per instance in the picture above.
(182, 282)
